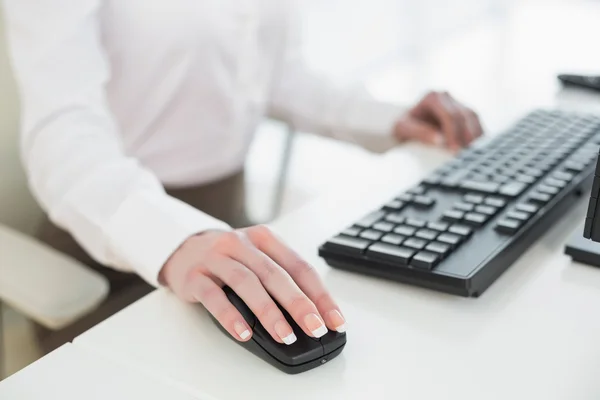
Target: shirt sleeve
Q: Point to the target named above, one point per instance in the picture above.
(115, 208)
(312, 102)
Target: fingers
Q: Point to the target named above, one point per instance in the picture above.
(251, 263)
(470, 126)
(413, 129)
(248, 287)
(446, 114)
(201, 288)
(473, 122)
(459, 124)
(280, 285)
(307, 279)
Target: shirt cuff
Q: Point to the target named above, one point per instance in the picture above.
(364, 114)
(148, 228)
(368, 122)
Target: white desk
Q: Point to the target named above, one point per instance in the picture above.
(70, 373)
(532, 335)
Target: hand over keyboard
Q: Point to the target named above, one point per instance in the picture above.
(464, 224)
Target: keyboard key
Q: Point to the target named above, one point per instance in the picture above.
(369, 220)
(384, 226)
(348, 245)
(405, 197)
(551, 190)
(461, 230)
(485, 187)
(479, 177)
(395, 205)
(508, 226)
(518, 215)
(574, 166)
(438, 226)
(487, 210)
(416, 190)
(415, 243)
(528, 208)
(352, 231)
(423, 201)
(433, 180)
(540, 198)
(395, 218)
(513, 189)
(555, 182)
(453, 216)
(426, 234)
(525, 178)
(450, 239)
(405, 230)
(476, 219)
(441, 249)
(533, 172)
(394, 239)
(455, 178)
(388, 252)
(370, 234)
(495, 202)
(473, 198)
(462, 206)
(417, 223)
(425, 260)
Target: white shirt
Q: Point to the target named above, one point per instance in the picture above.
(123, 97)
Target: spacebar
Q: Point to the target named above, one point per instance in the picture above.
(485, 187)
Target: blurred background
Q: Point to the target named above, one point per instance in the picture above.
(499, 56)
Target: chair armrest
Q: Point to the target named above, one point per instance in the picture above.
(45, 285)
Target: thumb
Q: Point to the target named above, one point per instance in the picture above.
(413, 129)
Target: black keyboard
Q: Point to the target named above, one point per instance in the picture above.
(468, 221)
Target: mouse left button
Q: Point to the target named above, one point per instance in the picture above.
(239, 304)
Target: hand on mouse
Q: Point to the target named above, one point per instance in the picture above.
(439, 119)
(254, 263)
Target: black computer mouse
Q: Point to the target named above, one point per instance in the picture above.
(304, 354)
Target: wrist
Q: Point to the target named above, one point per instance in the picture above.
(181, 256)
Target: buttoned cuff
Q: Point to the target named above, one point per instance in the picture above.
(148, 228)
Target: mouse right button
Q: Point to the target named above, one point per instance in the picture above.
(333, 341)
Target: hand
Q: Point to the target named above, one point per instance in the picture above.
(254, 263)
(440, 120)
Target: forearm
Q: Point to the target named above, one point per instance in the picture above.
(72, 150)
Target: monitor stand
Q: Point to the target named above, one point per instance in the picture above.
(583, 250)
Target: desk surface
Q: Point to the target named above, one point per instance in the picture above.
(70, 373)
(533, 334)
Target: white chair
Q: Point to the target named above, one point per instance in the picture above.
(44, 285)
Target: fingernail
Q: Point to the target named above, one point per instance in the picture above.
(315, 325)
(337, 320)
(241, 330)
(284, 331)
